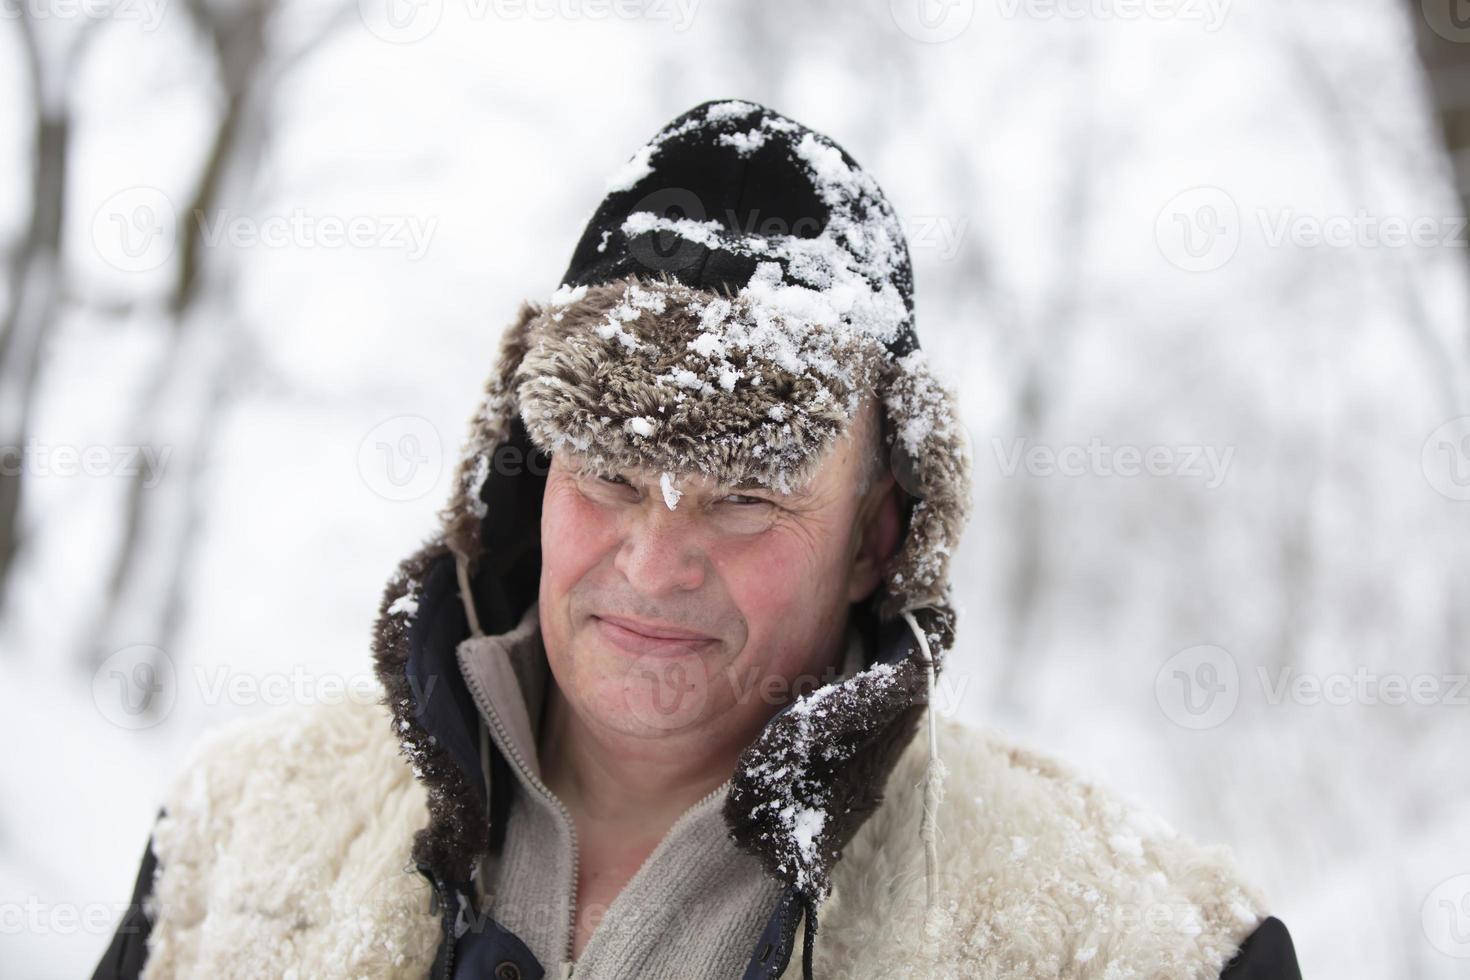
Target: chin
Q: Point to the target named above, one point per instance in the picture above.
(645, 696)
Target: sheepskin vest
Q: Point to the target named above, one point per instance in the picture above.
(286, 848)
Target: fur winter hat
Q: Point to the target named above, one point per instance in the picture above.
(739, 291)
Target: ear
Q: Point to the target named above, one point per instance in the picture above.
(878, 530)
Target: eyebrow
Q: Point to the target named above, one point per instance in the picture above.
(752, 484)
(739, 486)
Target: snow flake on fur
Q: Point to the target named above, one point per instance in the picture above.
(736, 396)
(801, 791)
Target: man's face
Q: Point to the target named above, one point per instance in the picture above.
(757, 582)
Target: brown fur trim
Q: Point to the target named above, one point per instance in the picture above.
(627, 356)
(929, 453)
(489, 427)
(458, 828)
(829, 755)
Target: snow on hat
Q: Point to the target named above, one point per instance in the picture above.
(739, 290)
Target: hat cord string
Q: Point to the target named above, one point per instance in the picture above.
(933, 776)
(462, 570)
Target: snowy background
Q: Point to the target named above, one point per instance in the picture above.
(1217, 403)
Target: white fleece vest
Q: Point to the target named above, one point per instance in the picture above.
(285, 853)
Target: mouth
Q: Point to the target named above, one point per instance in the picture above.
(636, 637)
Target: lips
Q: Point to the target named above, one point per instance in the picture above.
(635, 636)
(655, 631)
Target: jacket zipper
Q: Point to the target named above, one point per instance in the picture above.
(450, 938)
(453, 941)
(516, 757)
(520, 762)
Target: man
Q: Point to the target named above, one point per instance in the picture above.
(659, 680)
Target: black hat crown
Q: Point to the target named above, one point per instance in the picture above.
(729, 185)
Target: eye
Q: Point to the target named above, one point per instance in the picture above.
(741, 499)
(608, 488)
(617, 484)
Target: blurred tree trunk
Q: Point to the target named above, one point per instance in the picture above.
(188, 392)
(33, 267)
(1447, 63)
(184, 397)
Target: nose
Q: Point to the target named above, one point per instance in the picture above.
(661, 553)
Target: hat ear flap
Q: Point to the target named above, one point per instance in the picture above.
(929, 454)
(901, 463)
(490, 427)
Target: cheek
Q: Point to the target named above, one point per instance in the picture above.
(781, 587)
(764, 582)
(575, 535)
